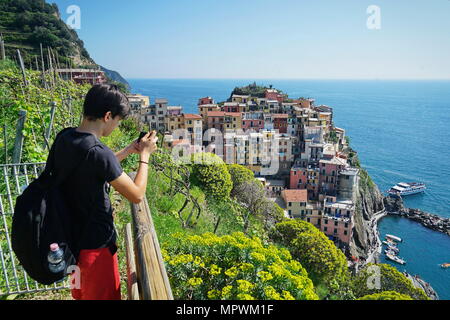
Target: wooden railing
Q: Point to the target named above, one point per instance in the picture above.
(146, 273)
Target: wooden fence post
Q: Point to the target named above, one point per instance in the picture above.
(132, 284)
(22, 67)
(44, 83)
(5, 139)
(52, 116)
(2, 48)
(152, 276)
(18, 143)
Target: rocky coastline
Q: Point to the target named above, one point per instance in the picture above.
(395, 206)
(425, 286)
(366, 245)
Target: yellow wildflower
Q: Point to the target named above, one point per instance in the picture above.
(226, 291)
(271, 293)
(195, 282)
(258, 256)
(213, 294)
(245, 267)
(265, 276)
(244, 296)
(198, 261)
(287, 295)
(215, 270)
(245, 286)
(232, 272)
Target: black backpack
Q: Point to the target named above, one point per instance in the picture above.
(42, 217)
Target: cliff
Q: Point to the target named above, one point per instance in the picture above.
(115, 76)
(365, 244)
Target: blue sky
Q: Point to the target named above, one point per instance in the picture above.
(261, 39)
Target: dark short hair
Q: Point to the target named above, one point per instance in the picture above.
(102, 98)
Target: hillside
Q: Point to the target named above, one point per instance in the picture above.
(115, 76)
(26, 24)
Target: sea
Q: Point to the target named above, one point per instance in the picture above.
(401, 130)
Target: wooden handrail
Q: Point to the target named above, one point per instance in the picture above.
(150, 269)
(132, 285)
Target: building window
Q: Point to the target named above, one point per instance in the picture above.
(325, 229)
(345, 232)
(290, 204)
(346, 225)
(326, 221)
(335, 231)
(308, 220)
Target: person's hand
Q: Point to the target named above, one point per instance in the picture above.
(134, 147)
(148, 143)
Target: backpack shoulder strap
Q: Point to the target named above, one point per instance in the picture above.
(48, 171)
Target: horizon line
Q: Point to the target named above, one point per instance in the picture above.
(317, 79)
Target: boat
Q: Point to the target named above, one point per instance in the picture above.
(393, 249)
(406, 189)
(395, 238)
(445, 265)
(395, 258)
(388, 243)
(391, 252)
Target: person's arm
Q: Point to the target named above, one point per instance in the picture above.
(134, 191)
(125, 152)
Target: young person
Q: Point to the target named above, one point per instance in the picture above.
(95, 167)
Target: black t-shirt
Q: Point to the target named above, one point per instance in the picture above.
(87, 190)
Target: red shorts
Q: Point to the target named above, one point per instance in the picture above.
(99, 276)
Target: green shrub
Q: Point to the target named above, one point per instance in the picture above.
(318, 254)
(386, 295)
(212, 175)
(234, 267)
(390, 280)
(239, 174)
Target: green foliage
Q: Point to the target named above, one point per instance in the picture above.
(7, 65)
(365, 181)
(234, 267)
(319, 255)
(386, 295)
(212, 175)
(26, 24)
(239, 174)
(36, 101)
(390, 280)
(252, 90)
(332, 137)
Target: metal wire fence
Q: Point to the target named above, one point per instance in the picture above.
(13, 278)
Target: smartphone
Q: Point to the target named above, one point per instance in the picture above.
(141, 136)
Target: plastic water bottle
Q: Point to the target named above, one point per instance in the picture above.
(55, 259)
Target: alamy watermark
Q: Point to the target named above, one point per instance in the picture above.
(75, 276)
(74, 19)
(374, 280)
(374, 19)
(245, 147)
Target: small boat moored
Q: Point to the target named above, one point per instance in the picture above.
(391, 252)
(395, 238)
(395, 258)
(445, 265)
